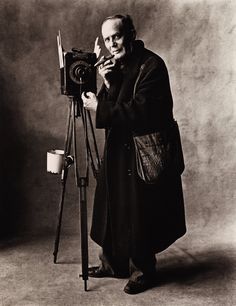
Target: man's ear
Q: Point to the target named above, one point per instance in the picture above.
(131, 36)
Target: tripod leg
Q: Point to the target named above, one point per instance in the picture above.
(94, 140)
(61, 205)
(83, 182)
(63, 180)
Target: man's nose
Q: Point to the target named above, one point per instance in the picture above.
(113, 43)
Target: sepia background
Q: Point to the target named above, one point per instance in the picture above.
(196, 39)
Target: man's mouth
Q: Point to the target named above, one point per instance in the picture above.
(115, 51)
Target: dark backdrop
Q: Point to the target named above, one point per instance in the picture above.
(197, 41)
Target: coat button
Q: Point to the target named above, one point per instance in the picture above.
(127, 146)
(129, 172)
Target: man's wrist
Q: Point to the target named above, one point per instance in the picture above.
(107, 84)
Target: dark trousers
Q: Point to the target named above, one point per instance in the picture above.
(134, 267)
(121, 263)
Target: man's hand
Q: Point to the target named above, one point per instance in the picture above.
(90, 101)
(104, 71)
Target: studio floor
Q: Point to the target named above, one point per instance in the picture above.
(195, 270)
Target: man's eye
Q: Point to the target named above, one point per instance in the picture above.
(117, 36)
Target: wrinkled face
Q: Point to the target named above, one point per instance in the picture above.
(114, 38)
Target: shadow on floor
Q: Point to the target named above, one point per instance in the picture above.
(207, 266)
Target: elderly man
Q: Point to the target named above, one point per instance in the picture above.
(132, 220)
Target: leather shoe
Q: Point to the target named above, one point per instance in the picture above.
(99, 272)
(141, 285)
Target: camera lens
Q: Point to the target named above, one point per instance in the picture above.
(79, 72)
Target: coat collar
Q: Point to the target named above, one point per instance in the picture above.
(131, 70)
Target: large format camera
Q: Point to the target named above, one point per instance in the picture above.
(78, 74)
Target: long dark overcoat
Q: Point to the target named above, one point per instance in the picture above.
(137, 217)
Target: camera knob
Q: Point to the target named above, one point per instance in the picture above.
(76, 50)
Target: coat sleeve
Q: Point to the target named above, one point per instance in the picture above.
(152, 100)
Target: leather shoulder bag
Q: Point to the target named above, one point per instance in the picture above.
(158, 151)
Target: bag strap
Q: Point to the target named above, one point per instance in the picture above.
(174, 123)
(138, 77)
